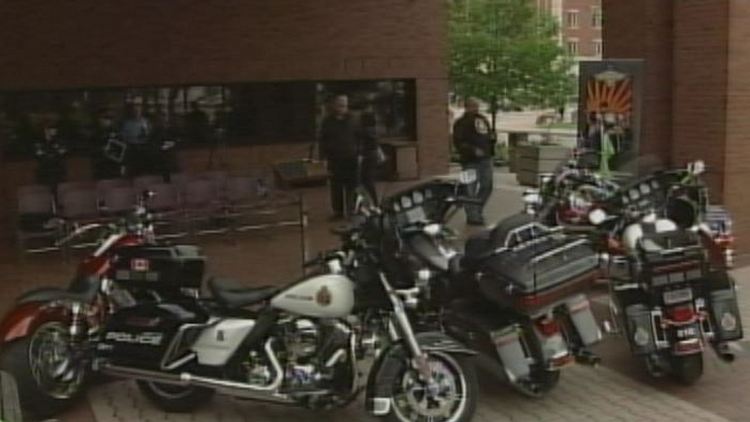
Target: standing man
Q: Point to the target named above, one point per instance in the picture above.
(475, 143)
(340, 144)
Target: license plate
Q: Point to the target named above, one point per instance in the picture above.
(688, 332)
(677, 296)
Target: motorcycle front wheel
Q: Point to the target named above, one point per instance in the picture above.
(48, 375)
(450, 397)
(687, 369)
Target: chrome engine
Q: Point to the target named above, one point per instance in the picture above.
(312, 355)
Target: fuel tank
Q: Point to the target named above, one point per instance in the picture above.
(321, 296)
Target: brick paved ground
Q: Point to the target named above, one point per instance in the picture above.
(618, 391)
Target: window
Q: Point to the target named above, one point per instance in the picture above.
(391, 102)
(573, 46)
(597, 48)
(596, 17)
(571, 19)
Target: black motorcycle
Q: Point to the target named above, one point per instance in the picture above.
(667, 262)
(515, 294)
(302, 344)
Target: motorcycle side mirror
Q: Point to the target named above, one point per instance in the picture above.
(597, 216)
(467, 177)
(545, 178)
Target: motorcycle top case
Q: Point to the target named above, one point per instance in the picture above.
(671, 257)
(527, 265)
(159, 267)
(141, 335)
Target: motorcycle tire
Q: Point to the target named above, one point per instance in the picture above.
(540, 383)
(175, 398)
(466, 368)
(35, 402)
(687, 369)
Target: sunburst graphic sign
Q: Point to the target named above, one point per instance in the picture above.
(609, 92)
(609, 109)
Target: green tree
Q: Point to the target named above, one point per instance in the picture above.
(505, 52)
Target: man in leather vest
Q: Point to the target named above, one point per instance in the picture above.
(475, 144)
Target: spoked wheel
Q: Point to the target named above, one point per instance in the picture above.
(451, 396)
(49, 374)
(687, 369)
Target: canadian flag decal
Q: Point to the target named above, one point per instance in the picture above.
(139, 264)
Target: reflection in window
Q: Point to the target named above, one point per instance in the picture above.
(245, 113)
(392, 102)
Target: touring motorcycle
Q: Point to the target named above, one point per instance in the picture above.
(667, 255)
(38, 333)
(515, 294)
(301, 344)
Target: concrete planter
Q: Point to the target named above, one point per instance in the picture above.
(532, 160)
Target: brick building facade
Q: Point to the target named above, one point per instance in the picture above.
(697, 88)
(60, 45)
(580, 25)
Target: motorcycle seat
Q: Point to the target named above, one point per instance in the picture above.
(229, 294)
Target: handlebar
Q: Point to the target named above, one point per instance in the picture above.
(79, 231)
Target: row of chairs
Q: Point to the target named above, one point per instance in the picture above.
(208, 202)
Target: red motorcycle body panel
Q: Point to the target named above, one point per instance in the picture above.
(25, 318)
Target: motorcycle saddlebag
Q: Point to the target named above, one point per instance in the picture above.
(725, 312)
(537, 267)
(142, 335)
(639, 329)
(159, 267)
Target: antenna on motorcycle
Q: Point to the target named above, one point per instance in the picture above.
(696, 167)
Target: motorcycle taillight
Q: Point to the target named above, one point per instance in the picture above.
(681, 313)
(547, 326)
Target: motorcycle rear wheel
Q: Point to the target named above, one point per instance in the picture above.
(32, 361)
(687, 369)
(175, 398)
(540, 383)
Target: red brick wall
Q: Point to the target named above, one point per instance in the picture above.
(737, 146)
(700, 85)
(642, 29)
(95, 42)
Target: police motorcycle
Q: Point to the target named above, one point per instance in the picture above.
(301, 344)
(43, 336)
(667, 255)
(515, 294)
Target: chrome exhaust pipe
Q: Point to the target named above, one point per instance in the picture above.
(267, 392)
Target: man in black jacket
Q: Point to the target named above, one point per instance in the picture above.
(347, 146)
(475, 145)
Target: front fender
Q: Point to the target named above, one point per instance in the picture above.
(390, 363)
(25, 318)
